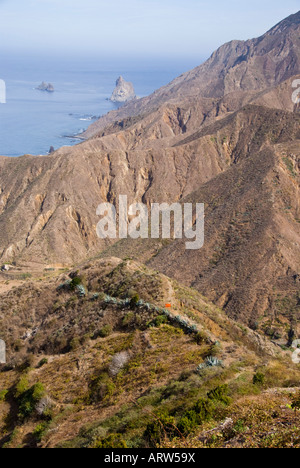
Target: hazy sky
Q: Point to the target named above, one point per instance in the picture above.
(164, 28)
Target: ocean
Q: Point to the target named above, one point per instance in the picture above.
(32, 121)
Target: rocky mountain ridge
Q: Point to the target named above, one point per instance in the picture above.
(190, 146)
(141, 343)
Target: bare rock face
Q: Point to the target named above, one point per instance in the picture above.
(123, 92)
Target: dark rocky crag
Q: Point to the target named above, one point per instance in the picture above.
(123, 92)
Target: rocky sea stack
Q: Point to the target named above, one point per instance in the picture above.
(46, 87)
(123, 92)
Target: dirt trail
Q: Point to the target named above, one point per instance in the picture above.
(7, 285)
(170, 297)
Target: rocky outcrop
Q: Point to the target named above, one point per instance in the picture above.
(46, 87)
(123, 92)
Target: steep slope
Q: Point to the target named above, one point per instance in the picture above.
(250, 260)
(87, 360)
(95, 359)
(249, 163)
(252, 65)
(208, 143)
(49, 204)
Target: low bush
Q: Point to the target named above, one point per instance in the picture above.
(202, 411)
(40, 431)
(104, 332)
(204, 408)
(28, 398)
(75, 282)
(128, 319)
(134, 300)
(27, 363)
(296, 402)
(259, 378)
(158, 321)
(114, 441)
(3, 395)
(201, 338)
(21, 387)
(74, 344)
(220, 394)
(42, 363)
(101, 389)
(162, 427)
(189, 422)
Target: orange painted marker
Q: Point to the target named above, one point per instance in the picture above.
(168, 306)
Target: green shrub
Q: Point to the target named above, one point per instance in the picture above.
(27, 363)
(3, 395)
(40, 431)
(215, 350)
(296, 402)
(38, 391)
(128, 319)
(74, 344)
(75, 282)
(201, 338)
(114, 441)
(163, 426)
(259, 378)
(134, 301)
(158, 321)
(220, 394)
(239, 426)
(27, 398)
(202, 411)
(204, 408)
(105, 331)
(21, 387)
(189, 422)
(42, 363)
(102, 389)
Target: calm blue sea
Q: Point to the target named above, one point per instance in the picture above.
(31, 121)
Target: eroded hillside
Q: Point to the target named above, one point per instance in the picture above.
(94, 356)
